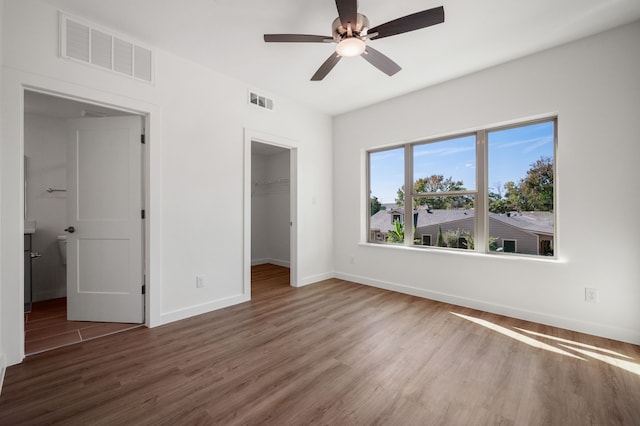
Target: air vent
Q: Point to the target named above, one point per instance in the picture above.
(260, 101)
(85, 42)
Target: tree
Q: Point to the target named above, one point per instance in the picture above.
(396, 235)
(537, 185)
(436, 183)
(534, 192)
(440, 238)
(375, 205)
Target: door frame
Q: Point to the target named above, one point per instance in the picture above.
(15, 83)
(144, 177)
(264, 138)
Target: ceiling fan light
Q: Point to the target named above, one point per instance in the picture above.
(350, 47)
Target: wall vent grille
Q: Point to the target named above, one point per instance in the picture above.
(260, 101)
(85, 42)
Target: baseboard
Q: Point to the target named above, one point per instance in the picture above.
(51, 294)
(277, 262)
(192, 311)
(315, 278)
(620, 334)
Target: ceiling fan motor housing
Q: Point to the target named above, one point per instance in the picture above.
(360, 29)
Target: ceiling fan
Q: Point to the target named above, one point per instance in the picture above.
(350, 31)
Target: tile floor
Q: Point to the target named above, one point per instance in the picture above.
(46, 327)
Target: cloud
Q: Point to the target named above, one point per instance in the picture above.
(532, 143)
(442, 152)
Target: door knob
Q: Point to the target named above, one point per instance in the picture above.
(70, 230)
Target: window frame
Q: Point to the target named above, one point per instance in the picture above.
(480, 193)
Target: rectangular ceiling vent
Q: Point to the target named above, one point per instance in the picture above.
(85, 42)
(260, 101)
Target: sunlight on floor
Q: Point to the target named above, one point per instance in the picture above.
(571, 342)
(613, 358)
(514, 335)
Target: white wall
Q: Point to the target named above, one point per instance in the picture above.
(196, 129)
(46, 150)
(593, 86)
(270, 205)
(259, 220)
(278, 205)
(2, 355)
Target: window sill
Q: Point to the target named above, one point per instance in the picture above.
(455, 252)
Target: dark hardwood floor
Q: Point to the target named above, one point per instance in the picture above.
(333, 353)
(46, 327)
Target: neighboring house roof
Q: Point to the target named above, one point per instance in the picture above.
(537, 222)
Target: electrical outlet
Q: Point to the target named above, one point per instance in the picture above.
(591, 295)
(200, 281)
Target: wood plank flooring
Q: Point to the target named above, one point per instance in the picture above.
(46, 327)
(333, 353)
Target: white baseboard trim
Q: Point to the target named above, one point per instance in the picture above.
(620, 334)
(192, 311)
(314, 279)
(277, 262)
(3, 369)
(51, 294)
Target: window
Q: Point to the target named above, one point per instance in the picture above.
(521, 174)
(481, 191)
(509, 246)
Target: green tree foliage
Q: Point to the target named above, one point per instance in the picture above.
(374, 204)
(534, 192)
(457, 239)
(436, 183)
(440, 238)
(396, 235)
(537, 186)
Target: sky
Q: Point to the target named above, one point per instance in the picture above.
(511, 153)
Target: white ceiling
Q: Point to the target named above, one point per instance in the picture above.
(226, 35)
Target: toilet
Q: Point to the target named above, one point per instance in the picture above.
(62, 248)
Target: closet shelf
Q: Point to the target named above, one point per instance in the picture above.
(271, 182)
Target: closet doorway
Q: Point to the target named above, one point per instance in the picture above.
(271, 207)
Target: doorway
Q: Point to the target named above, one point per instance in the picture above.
(270, 208)
(47, 121)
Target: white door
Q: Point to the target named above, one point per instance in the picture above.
(104, 234)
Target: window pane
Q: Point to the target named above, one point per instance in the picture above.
(448, 165)
(521, 186)
(445, 222)
(386, 178)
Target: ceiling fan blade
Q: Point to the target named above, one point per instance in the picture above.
(326, 67)
(296, 38)
(348, 12)
(380, 61)
(412, 22)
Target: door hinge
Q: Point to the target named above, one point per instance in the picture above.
(144, 289)
(142, 214)
(142, 138)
